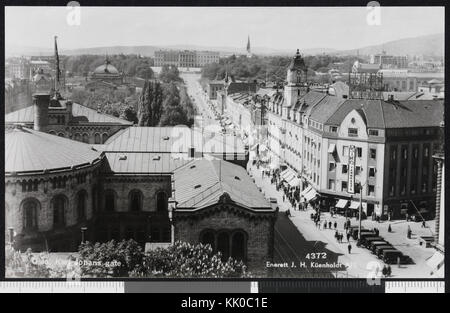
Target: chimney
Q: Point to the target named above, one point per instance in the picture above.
(69, 107)
(41, 102)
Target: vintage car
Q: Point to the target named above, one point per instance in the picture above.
(393, 256)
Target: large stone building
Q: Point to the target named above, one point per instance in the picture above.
(107, 77)
(155, 185)
(389, 61)
(66, 119)
(333, 143)
(185, 58)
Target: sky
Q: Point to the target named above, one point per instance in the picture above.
(275, 27)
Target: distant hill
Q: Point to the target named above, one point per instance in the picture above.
(430, 45)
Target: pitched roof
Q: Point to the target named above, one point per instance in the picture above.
(201, 183)
(405, 114)
(326, 108)
(144, 163)
(371, 109)
(174, 140)
(26, 115)
(27, 150)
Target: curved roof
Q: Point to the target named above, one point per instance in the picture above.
(106, 68)
(29, 151)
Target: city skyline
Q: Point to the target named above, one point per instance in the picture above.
(318, 27)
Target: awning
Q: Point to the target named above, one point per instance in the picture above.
(304, 192)
(294, 182)
(310, 195)
(284, 173)
(331, 148)
(354, 205)
(341, 203)
(262, 147)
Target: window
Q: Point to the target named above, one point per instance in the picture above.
(110, 201)
(373, 132)
(77, 137)
(405, 153)
(394, 153)
(371, 172)
(344, 168)
(353, 132)
(81, 205)
(344, 186)
(223, 245)
(135, 200)
(59, 205)
(357, 170)
(333, 129)
(331, 184)
(238, 246)
(161, 202)
(30, 210)
(208, 237)
(104, 137)
(331, 166)
(426, 152)
(97, 138)
(413, 189)
(373, 153)
(371, 190)
(359, 152)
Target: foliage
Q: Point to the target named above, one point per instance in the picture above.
(272, 68)
(38, 265)
(169, 74)
(150, 104)
(185, 260)
(132, 65)
(112, 258)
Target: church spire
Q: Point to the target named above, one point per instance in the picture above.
(57, 69)
(248, 45)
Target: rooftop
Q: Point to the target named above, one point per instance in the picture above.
(28, 151)
(201, 183)
(26, 115)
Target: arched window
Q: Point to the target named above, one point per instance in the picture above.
(61, 135)
(238, 246)
(161, 202)
(81, 205)
(135, 200)
(85, 138)
(223, 245)
(30, 211)
(59, 206)
(110, 201)
(97, 138)
(104, 137)
(77, 137)
(51, 132)
(207, 237)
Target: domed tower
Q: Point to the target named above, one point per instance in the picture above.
(296, 80)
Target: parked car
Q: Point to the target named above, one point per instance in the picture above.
(364, 233)
(365, 241)
(377, 243)
(392, 256)
(378, 250)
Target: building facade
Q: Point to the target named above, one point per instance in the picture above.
(185, 58)
(338, 143)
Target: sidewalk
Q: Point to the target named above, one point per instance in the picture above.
(361, 262)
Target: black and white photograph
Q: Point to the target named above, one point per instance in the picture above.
(162, 142)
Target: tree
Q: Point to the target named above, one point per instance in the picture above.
(185, 260)
(169, 74)
(129, 113)
(150, 104)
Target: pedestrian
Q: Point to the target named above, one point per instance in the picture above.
(335, 225)
(325, 225)
(316, 223)
(349, 247)
(341, 236)
(329, 224)
(424, 225)
(336, 235)
(384, 271)
(408, 233)
(388, 270)
(389, 229)
(348, 236)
